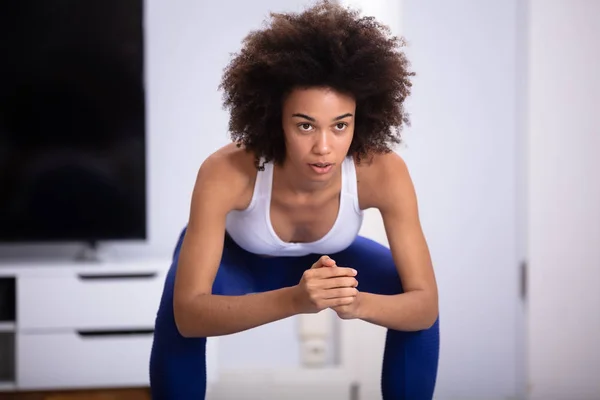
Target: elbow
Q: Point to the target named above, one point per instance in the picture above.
(430, 320)
(181, 319)
(185, 322)
(425, 322)
(431, 316)
(429, 312)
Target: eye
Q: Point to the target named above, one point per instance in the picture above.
(305, 126)
(341, 126)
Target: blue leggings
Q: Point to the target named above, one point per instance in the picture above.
(178, 364)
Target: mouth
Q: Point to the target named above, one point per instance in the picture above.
(321, 168)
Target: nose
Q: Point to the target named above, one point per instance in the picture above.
(322, 143)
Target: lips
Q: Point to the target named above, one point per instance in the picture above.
(321, 168)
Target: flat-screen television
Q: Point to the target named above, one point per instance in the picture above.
(72, 121)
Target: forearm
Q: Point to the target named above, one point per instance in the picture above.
(216, 315)
(410, 311)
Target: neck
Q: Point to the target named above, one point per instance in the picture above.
(289, 178)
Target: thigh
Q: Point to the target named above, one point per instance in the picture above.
(278, 272)
(376, 268)
(377, 271)
(177, 363)
(410, 358)
(233, 275)
(233, 278)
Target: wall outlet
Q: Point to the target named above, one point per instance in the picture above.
(313, 353)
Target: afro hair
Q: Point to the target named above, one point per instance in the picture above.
(326, 45)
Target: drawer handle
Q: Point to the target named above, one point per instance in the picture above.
(106, 277)
(104, 333)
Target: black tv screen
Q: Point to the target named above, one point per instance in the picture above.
(72, 120)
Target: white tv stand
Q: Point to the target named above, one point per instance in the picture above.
(75, 325)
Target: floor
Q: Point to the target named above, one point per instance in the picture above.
(122, 394)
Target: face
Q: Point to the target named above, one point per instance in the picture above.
(318, 124)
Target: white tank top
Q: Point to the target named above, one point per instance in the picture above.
(251, 228)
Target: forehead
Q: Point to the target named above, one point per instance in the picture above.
(318, 102)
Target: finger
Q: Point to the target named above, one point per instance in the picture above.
(337, 282)
(326, 273)
(338, 302)
(339, 293)
(324, 261)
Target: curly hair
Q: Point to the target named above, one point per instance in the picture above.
(326, 45)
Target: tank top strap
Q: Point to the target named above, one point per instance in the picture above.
(264, 179)
(349, 181)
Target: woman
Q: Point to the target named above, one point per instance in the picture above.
(316, 104)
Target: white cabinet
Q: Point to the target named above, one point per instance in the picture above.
(86, 300)
(77, 325)
(74, 360)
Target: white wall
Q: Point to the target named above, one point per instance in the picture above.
(564, 200)
(462, 149)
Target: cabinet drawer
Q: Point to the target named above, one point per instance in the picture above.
(73, 360)
(88, 301)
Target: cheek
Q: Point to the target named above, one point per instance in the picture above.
(292, 143)
(295, 148)
(346, 140)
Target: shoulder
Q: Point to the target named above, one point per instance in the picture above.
(229, 173)
(379, 166)
(229, 161)
(383, 180)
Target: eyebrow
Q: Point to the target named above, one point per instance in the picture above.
(313, 120)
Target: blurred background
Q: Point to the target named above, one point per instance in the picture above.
(107, 109)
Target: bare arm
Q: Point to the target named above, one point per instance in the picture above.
(198, 313)
(417, 307)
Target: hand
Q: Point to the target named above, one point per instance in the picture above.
(349, 311)
(325, 285)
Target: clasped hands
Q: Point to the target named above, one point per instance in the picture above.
(327, 285)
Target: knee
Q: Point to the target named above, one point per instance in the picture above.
(377, 272)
